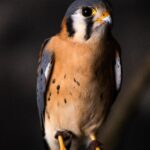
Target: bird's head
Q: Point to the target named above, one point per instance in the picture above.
(86, 20)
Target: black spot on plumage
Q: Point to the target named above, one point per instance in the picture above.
(49, 99)
(77, 82)
(65, 76)
(70, 29)
(65, 101)
(53, 81)
(58, 89)
(41, 71)
(89, 25)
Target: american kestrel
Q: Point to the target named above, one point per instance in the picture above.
(79, 76)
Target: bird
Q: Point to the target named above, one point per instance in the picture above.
(79, 76)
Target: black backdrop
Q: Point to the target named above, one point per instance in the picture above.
(24, 24)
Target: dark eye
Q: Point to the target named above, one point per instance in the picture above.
(87, 11)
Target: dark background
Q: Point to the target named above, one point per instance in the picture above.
(24, 24)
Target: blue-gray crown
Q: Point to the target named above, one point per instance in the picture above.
(81, 3)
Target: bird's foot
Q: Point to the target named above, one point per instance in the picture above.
(64, 138)
(94, 144)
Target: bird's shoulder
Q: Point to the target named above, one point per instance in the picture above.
(49, 45)
(55, 43)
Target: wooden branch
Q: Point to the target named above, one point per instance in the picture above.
(124, 107)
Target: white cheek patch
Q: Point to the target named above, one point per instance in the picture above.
(118, 72)
(47, 71)
(79, 26)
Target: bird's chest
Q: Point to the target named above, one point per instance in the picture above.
(74, 96)
(73, 78)
(74, 92)
(73, 74)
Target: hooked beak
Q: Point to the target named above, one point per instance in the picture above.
(104, 18)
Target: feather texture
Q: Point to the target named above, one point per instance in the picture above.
(43, 76)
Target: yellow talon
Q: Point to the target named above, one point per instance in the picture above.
(93, 138)
(98, 148)
(61, 143)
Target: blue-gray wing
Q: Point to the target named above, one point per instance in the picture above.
(116, 67)
(118, 70)
(43, 77)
